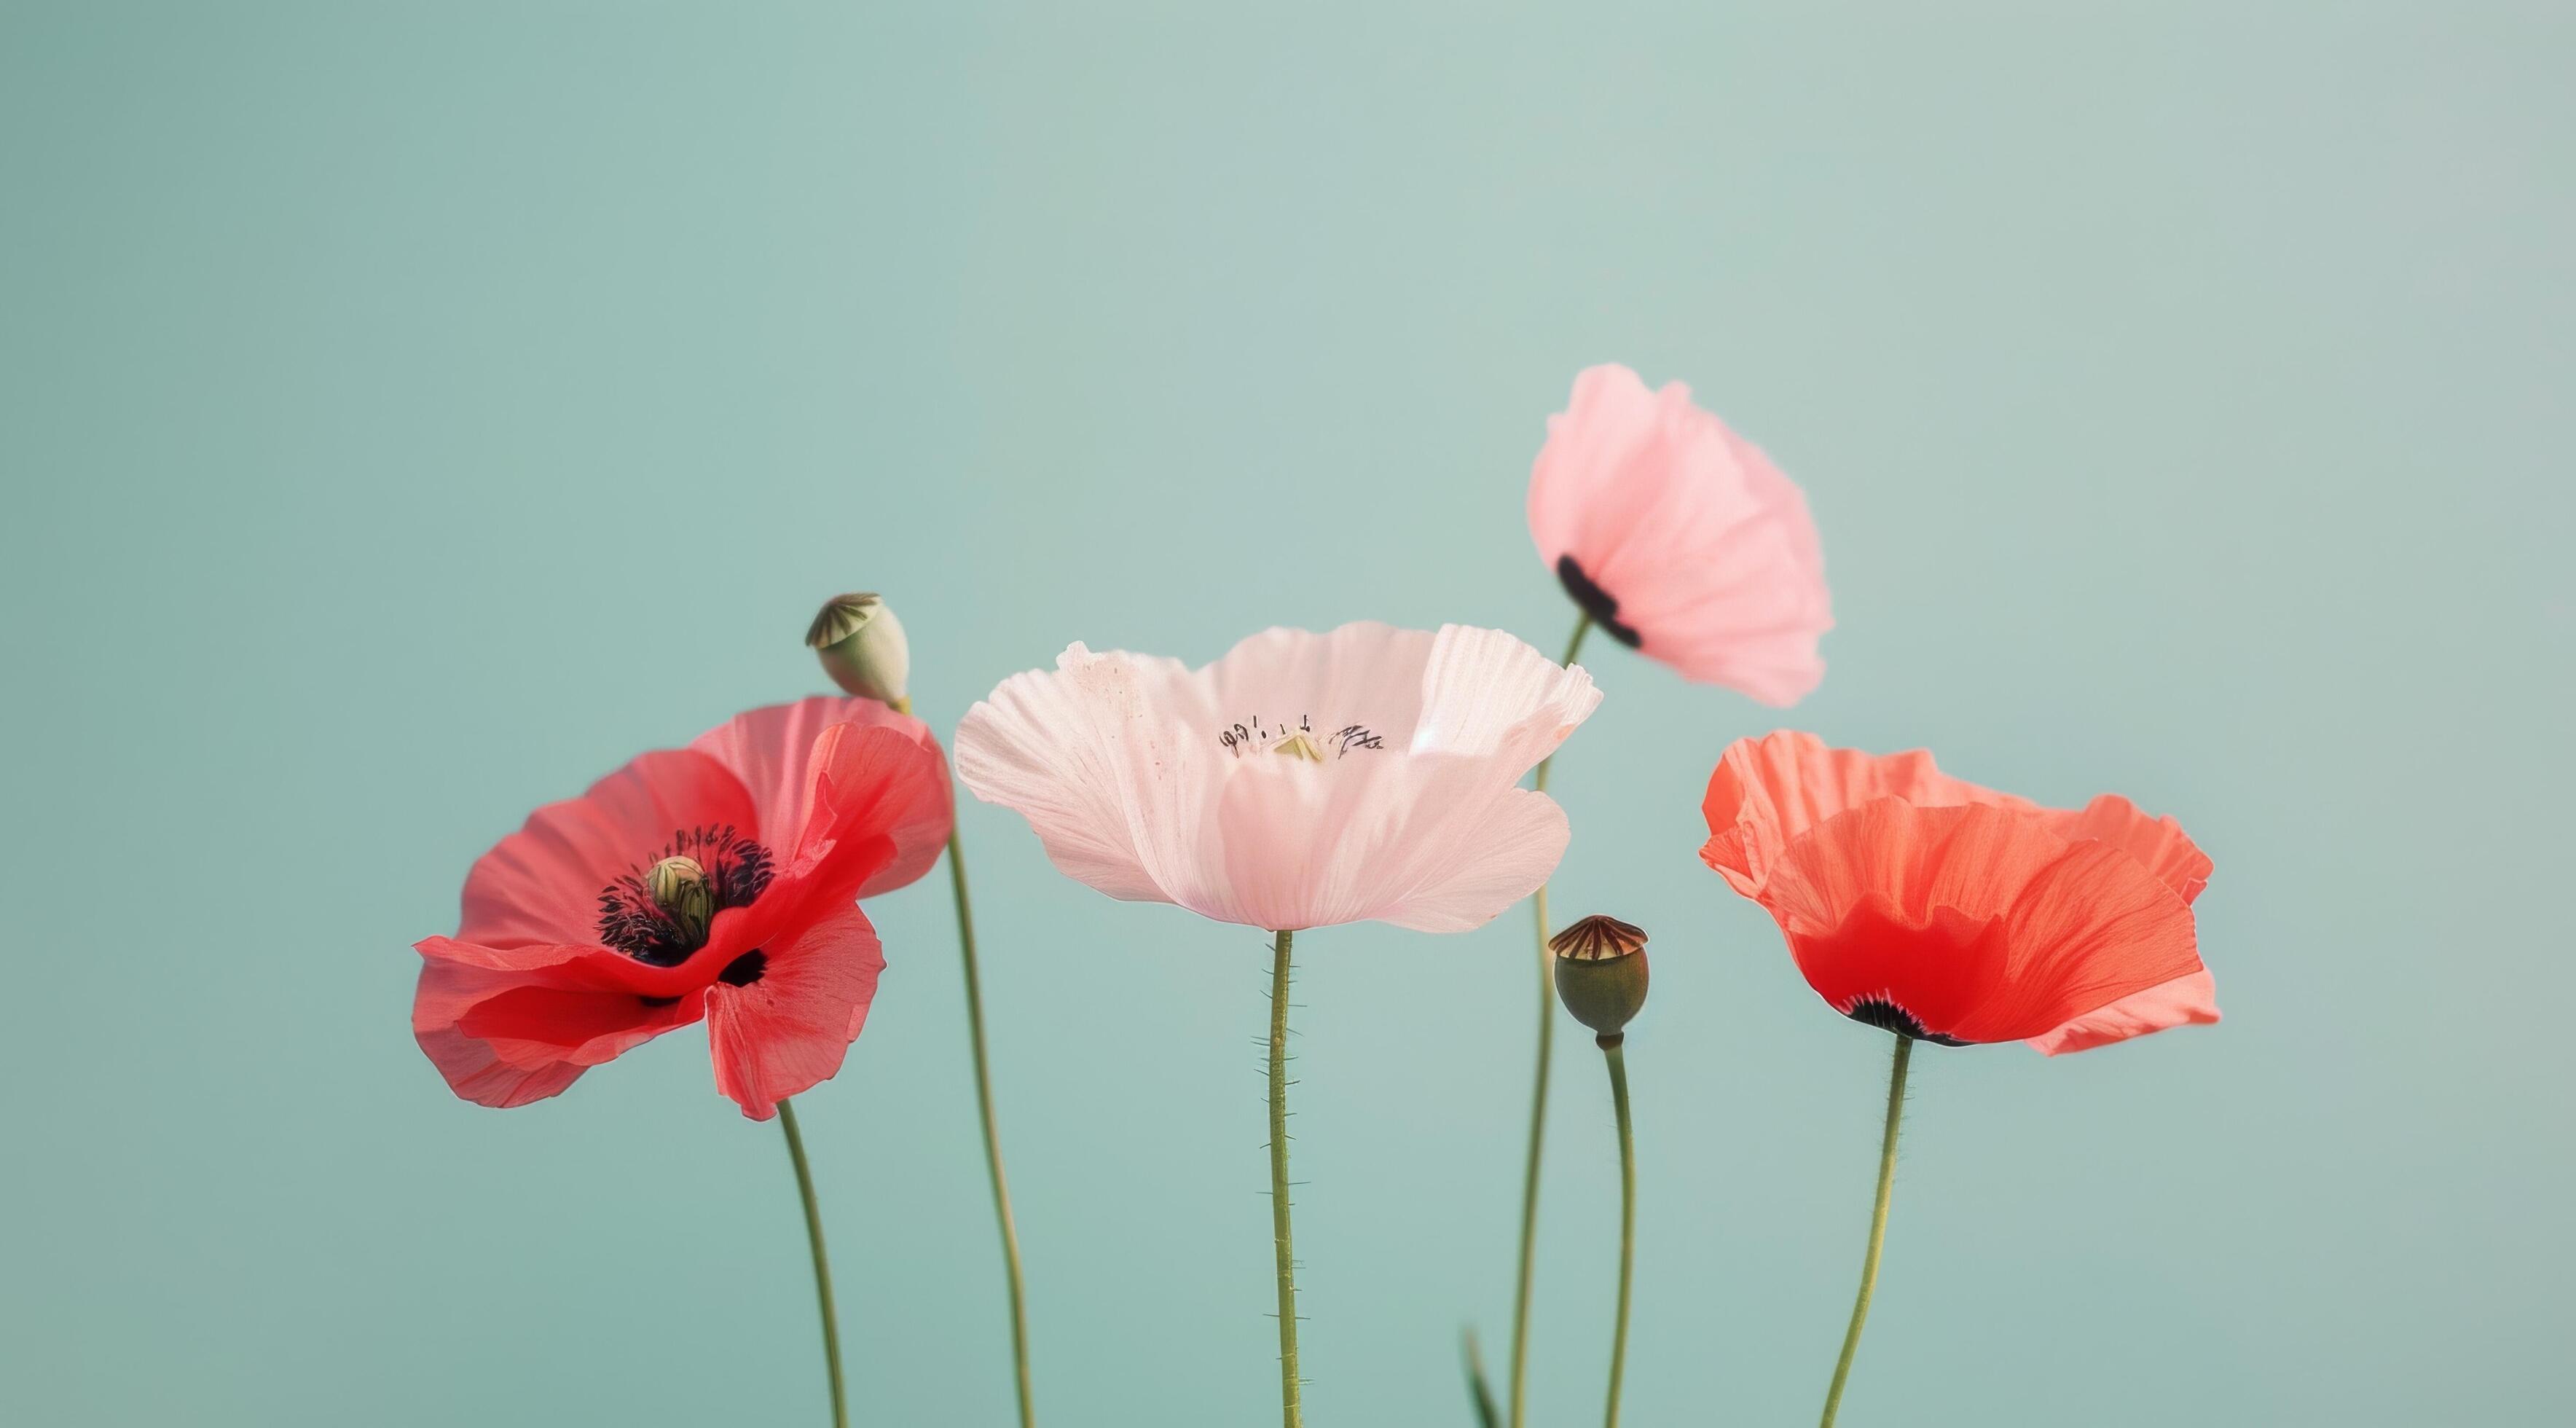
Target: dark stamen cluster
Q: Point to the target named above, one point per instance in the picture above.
(738, 869)
(1888, 1016)
(1600, 604)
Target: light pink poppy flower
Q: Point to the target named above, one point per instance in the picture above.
(1301, 781)
(1680, 538)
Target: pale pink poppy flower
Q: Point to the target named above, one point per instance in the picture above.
(1303, 780)
(1680, 538)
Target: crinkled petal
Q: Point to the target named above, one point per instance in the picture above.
(2185, 1001)
(789, 1029)
(510, 1025)
(477, 1073)
(1433, 842)
(1767, 792)
(878, 782)
(1085, 752)
(819, 767)
(1980, 922)
(1500, 858)
(1487, 695)
(2158, 844)
(541, 885)
(1362, 674)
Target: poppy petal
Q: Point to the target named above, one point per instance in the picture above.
(1070, 749)
(540, 886)
(510, 1025)
(475, 1072)
(1435, 843)
(2159, 844)
(2185, 1001)
(805, 773)
(1767, 792)
(1979, 921)
(783, 1025)
(879, 781)
(1494, 860)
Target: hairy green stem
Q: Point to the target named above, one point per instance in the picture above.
(822, 1264)
(992, 1134)
(1877, 1229)
(1611, 1051)
(1538, 1104)
(1290, 1414)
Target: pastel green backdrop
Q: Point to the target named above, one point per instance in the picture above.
(412, 412)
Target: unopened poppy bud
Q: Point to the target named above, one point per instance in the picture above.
(1601, 974)
(862, 647)
(679, 887)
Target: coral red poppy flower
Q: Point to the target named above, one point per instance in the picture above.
(718, 881)
(1924, 904)
(1680, 538)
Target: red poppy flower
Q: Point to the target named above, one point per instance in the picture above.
(716, 881)
(1921, 903)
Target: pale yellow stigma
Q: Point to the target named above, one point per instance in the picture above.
(679, 887)
(1298, 746)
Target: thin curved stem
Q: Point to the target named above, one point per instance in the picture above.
(822, 1264)
(992, 1134)
(1538, 1103)
(902, 704)
(1289, 1412)
(1611, 1052)
(1877, 1229)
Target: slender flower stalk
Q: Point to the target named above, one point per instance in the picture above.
(1611, 1051)
(1538, 1101)
(992, 1133)
(984, 1113)
(1877, 1230)
(1600, 974)
(822, 1263)
(1290, 1413)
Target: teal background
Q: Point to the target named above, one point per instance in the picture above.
(409, 413)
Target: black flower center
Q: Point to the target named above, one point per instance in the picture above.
(1888, 1016)
(1600, 604)
(737, 869)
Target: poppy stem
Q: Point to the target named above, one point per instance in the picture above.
(1877, 1229)
(1538, 1100)
(1290, 1413)
(822, 1263)
(984, 1110)
(1612, 1051)
(992, 1134)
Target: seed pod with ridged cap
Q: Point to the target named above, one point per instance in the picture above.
(862, 647)
(1601, 974)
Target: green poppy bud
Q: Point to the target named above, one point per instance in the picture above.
(862, 647)
(1601, 975)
